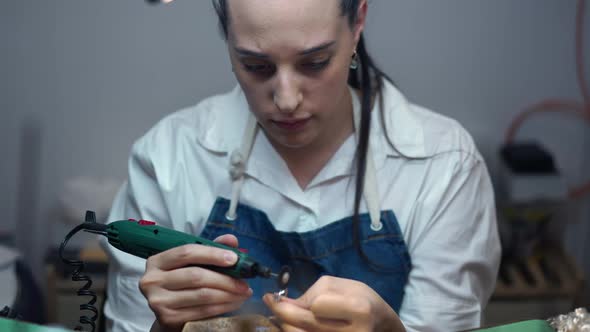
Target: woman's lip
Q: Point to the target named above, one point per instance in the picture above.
(291, 124)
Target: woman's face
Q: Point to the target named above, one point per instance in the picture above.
(292, 61)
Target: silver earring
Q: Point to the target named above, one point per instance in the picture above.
(354, 64)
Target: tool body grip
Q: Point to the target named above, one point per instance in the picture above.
(144, 239)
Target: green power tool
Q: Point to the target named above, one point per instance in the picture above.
(144, 238)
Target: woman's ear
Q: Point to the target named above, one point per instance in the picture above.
(361, 19)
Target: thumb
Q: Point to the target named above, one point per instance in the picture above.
(304, 301)
(300, 302)
(228, 240)
(307, 299)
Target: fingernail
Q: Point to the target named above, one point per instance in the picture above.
(230, 257)
(250, 291)
(242, 286)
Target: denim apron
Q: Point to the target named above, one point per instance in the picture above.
(329, 250)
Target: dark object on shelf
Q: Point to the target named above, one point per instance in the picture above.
(528, 157)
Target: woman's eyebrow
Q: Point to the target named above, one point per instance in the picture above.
(315, 49)
(245, 52)
(318, 48)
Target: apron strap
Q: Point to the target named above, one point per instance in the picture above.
(238, 161)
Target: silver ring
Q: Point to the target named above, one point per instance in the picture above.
(279, 294)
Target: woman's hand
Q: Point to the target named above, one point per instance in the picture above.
(335, 304)
(178, 292)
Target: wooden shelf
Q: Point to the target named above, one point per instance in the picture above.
(549, 276)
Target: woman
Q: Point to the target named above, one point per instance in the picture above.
(384, 210)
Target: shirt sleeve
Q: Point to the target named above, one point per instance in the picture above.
(126, 309)
(455, 251)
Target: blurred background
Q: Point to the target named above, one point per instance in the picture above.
(81, 80)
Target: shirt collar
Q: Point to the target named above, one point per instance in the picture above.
(405, 130)
(222, 120)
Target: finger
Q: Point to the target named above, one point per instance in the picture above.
(228, 240)
(326, 284)
(338, 307)
(295, 316)
(296, 302)
(194, 277)
(289, 314)
(195, 297)
(191, 254)
(290, 328)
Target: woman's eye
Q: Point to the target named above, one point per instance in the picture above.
(316, 65)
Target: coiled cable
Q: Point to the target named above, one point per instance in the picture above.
(90, 313)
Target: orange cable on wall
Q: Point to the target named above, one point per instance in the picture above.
(581, 109)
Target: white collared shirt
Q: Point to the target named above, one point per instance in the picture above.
(429, 173)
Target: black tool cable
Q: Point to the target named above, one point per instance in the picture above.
(90, 225)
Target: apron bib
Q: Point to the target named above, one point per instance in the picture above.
(326, 251)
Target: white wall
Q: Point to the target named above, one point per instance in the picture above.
(96, 74)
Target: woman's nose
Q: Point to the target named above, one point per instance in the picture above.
(287, 95)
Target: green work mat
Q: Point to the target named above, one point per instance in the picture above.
(16, 326)
(524, 326)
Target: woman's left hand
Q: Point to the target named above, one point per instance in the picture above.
(335, 304)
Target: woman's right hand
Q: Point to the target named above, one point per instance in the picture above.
(178, 292)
